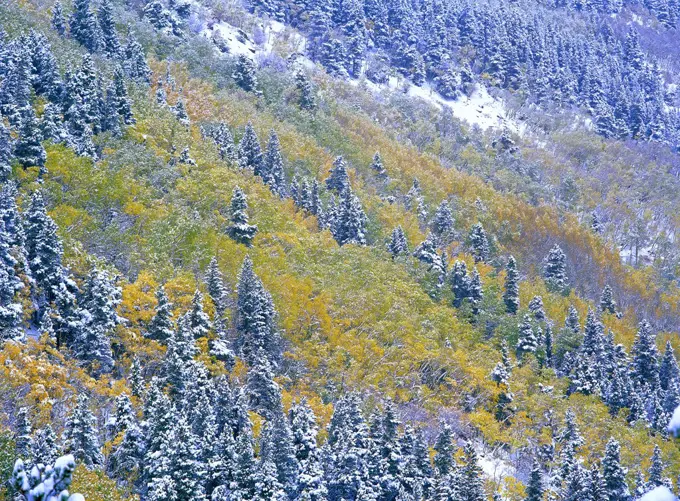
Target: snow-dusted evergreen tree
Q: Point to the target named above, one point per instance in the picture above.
(23, 441)
(249, 151)
(5, 153)
(472, 481)
(99, 304)
(214, 281)
(338, 179)
(11, 310)
(51, 124)
(271, 168)
(645, 363)
(349, 225)
(244, 74)
(479, 243)
(83, 26)
(669, 373)
(44, 447)
(110, 43)
(443, 223)
(537, 310)
(80, 434)
(120, 97)
(180, 111)
(136, 379)
(58, 21)
(239, 229)
(616, 488)
(377, 166)
(607, 303)
(572, 321)
(475, 292)
(511, 292)
(535, 488)
(28, 150)
(444, 462)
(47, 482)
(398, 244)
(225, 142)
(460, 283)
(255, 318)
(44, 249)
(426, 252)
(264, 393)
(161, 326)
(135, 65)
(527, 341)
(199, 322)
(555, 270)
(306, 99)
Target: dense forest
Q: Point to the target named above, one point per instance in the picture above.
(263, 251)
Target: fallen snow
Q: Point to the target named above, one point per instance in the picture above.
(674, 425)
(659, 494)
(494, 468)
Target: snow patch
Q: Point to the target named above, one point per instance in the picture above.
(494, 468)
(659, 494)
(674, 425)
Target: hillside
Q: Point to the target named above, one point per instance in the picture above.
(243, 266)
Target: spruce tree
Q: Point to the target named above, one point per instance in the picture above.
(11, 311)
(217, 290)
(443, 223)
(272, 172)
(135, 64)
(668, 370)
(23, 442)
(398, 244)
(180, 111)
(199, 322)
(607, 303)
(249, 151)
(122, 100)
(306, 99)
(80, 435)
(28, 150)
(472, 482)
(378, 168)
(239, 229)
(479, 243)
(255, 318)
(84, 27)
(526, 341)
(572, 321)
(645, 365)
(58, 21)
(614, 474)
(555, 270)
(460, 283)
(536, 308)
(338, 180)
(244, 74)
(161, 327)
(444, 462)
(476, 293)
(5, 153)
(349, 226)
(110, 43)
(264, 393)
(44, 250)
(44, 447)
(511, 292)
(534, 491)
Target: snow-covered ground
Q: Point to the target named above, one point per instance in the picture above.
(479, 109)
(494, 468)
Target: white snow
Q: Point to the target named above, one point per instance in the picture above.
(674, 425)
(659, 494)
(480, 108)
(236, 43)
(494, 468)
